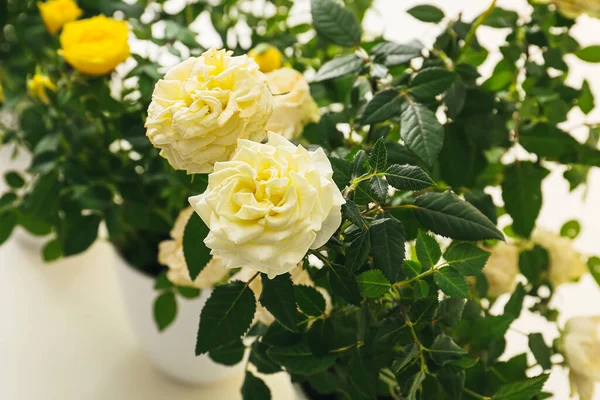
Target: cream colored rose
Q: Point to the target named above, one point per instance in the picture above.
(299, 277)
(294, 106)
(581, 347)
(204, 105)
(170, 253)
(565, 262)
(501, 268)
(574, 8)
(267, 206)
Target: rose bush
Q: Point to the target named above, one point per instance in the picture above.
(204, 105)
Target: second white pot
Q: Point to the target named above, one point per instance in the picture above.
(172, 351)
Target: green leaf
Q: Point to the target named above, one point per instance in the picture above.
(373, 283)
(522, 194)
(593, 264)
(411, 268)
(196, 254)
(451, 283)
(358, 249)
(383, 106)
(394, 54)
(421, 289)
(339, 66)
(450, 311)
(8, 221)
(448, 215)
(230, 354)
(524, 390)
(341, 172)
(427, 13)
(254, 388)
(162, 282)
(501, 18)
(408, 177)
(533, 262)
(7, 201)
(589, 54)
(310, 301)
(363, 376)
(188, 292)
(515, 304)
(455, 98)
(378, 156)
(278, 298)
(430, 82)
(379, 186)
(335, 23)
(299, 359)
(52, 250)
(484, 203)
(548, 141)
(540, 350)
(405, 357)
(444, 350)
(351, 212)
(387, 243)
(165, 310)
(570, 229)
(421, 131)
(80, 232)
(260, 359)
(43, 198)
(586, 100)
(344, 284)
(466, 258)
(428, 250)
(226, 316)
(14, 180)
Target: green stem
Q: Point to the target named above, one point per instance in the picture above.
(476, 395)
(418, 342)
(476, 25)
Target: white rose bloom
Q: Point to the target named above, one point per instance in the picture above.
(299, 277)
(501, 268)
(294, 106)
(204, 105)
(267, 206)
(581, 348)
(565, 263)
(170, 253)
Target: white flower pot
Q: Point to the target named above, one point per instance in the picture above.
(171, 351)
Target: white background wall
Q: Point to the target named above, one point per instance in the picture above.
(64, 335)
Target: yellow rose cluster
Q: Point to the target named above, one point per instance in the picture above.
(93, 46)
(37, 87)
(266, 204)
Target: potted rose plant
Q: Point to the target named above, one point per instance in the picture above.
(411, 314)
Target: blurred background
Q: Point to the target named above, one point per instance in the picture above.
(64, 333)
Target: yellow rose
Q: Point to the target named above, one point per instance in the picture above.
(170, 253)
(37, 87)
(267, 57)
(204, 105)
(580, 344)
(95, 46)
(502, 268)
(269, 205)
(56, 13)
(564, 261)
(294, 106)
